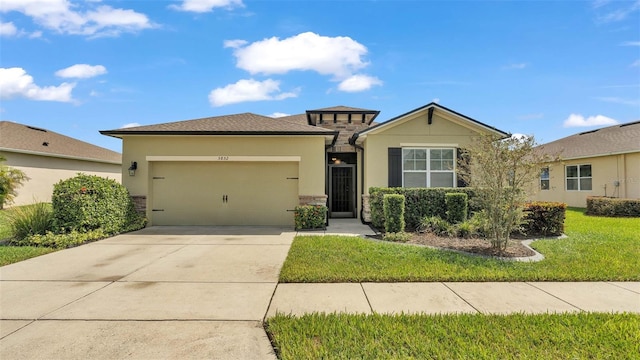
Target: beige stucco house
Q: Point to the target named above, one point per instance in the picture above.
(602, 162)
(47, 157)
(248, 169)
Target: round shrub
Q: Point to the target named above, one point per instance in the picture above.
(88, 202)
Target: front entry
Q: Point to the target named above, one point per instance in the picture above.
(342, 194)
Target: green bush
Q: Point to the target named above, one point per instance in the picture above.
(466, 229)
(393, 213)
(397, 236)
(544, 218)
(30, 220)
(310, 216)
(419, 202)
(87, 202)
(604, 206)
(437, 225)
(59, 241)
(457, 207)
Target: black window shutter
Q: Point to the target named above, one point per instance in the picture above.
(461, 156)
(395, 167)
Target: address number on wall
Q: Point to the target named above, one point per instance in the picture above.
(223, 158)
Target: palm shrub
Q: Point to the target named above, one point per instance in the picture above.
(25, 221)
(393, 205)
(10, 180)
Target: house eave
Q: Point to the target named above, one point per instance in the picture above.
(60, 156)
(359, 137)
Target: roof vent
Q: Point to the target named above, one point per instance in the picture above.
(45, 144)
(37, 129)
(588, 132)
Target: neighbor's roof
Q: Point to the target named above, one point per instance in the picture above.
(237, 124)
(425, 107)
(617, 139)
(26, 139)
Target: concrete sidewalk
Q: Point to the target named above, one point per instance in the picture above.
(447, 297)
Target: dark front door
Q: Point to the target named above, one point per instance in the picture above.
(342, 199)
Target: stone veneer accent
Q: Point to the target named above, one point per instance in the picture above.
(140, 203)
(366, 209)
(313, 199)
(346, 131)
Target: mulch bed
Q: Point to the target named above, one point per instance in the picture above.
(476, 246)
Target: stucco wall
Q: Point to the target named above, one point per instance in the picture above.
(606, 170)
(45, 171)
(416, 131)
(309, 148)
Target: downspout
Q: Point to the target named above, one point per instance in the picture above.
(352, 141)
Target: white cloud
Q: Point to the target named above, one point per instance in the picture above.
(635, 63)
(630, 43)
(620, 13)
(518, 66)
(80, 18)
(278, 115)
(202, 6)
(81, 71)
(248, 90)
(15, 82)
(520, 137)
(338, 56)
(357, 83)
(577, 120)
(617, 100)
(234, 44)
(129, 125)
(8, 29)
(435, 100)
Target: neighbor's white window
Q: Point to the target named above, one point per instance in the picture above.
(578, 177)
(544, 178)
(426, 167)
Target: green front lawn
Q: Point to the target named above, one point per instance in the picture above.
(597, 249)
(547, 336)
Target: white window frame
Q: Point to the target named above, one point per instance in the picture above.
(547, 178)
(578, 178)
(428, 170)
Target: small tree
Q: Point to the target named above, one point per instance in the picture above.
(10, 180)
(502, 170)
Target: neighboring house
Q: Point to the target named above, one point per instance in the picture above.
(248, 169)
(47, 157)
(602, 162)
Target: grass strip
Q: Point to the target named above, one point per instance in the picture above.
(13, 254)
(461, 336)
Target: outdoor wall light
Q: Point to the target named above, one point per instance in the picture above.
(133, 168)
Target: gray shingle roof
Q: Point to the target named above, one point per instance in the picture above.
(24, 138)
(246, 123)
(342, 108)
(615, 139)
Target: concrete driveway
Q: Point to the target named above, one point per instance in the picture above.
(162, 292)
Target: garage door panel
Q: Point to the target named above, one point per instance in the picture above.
(193, 193)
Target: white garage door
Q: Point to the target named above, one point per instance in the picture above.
(224, 193)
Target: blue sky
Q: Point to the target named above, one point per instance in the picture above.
(547, 68)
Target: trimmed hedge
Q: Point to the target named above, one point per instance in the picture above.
(419, 203)
(310, 217)
(457, 207)
(603, 206)
(393, 205)
(87, 202)
(544, 218)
